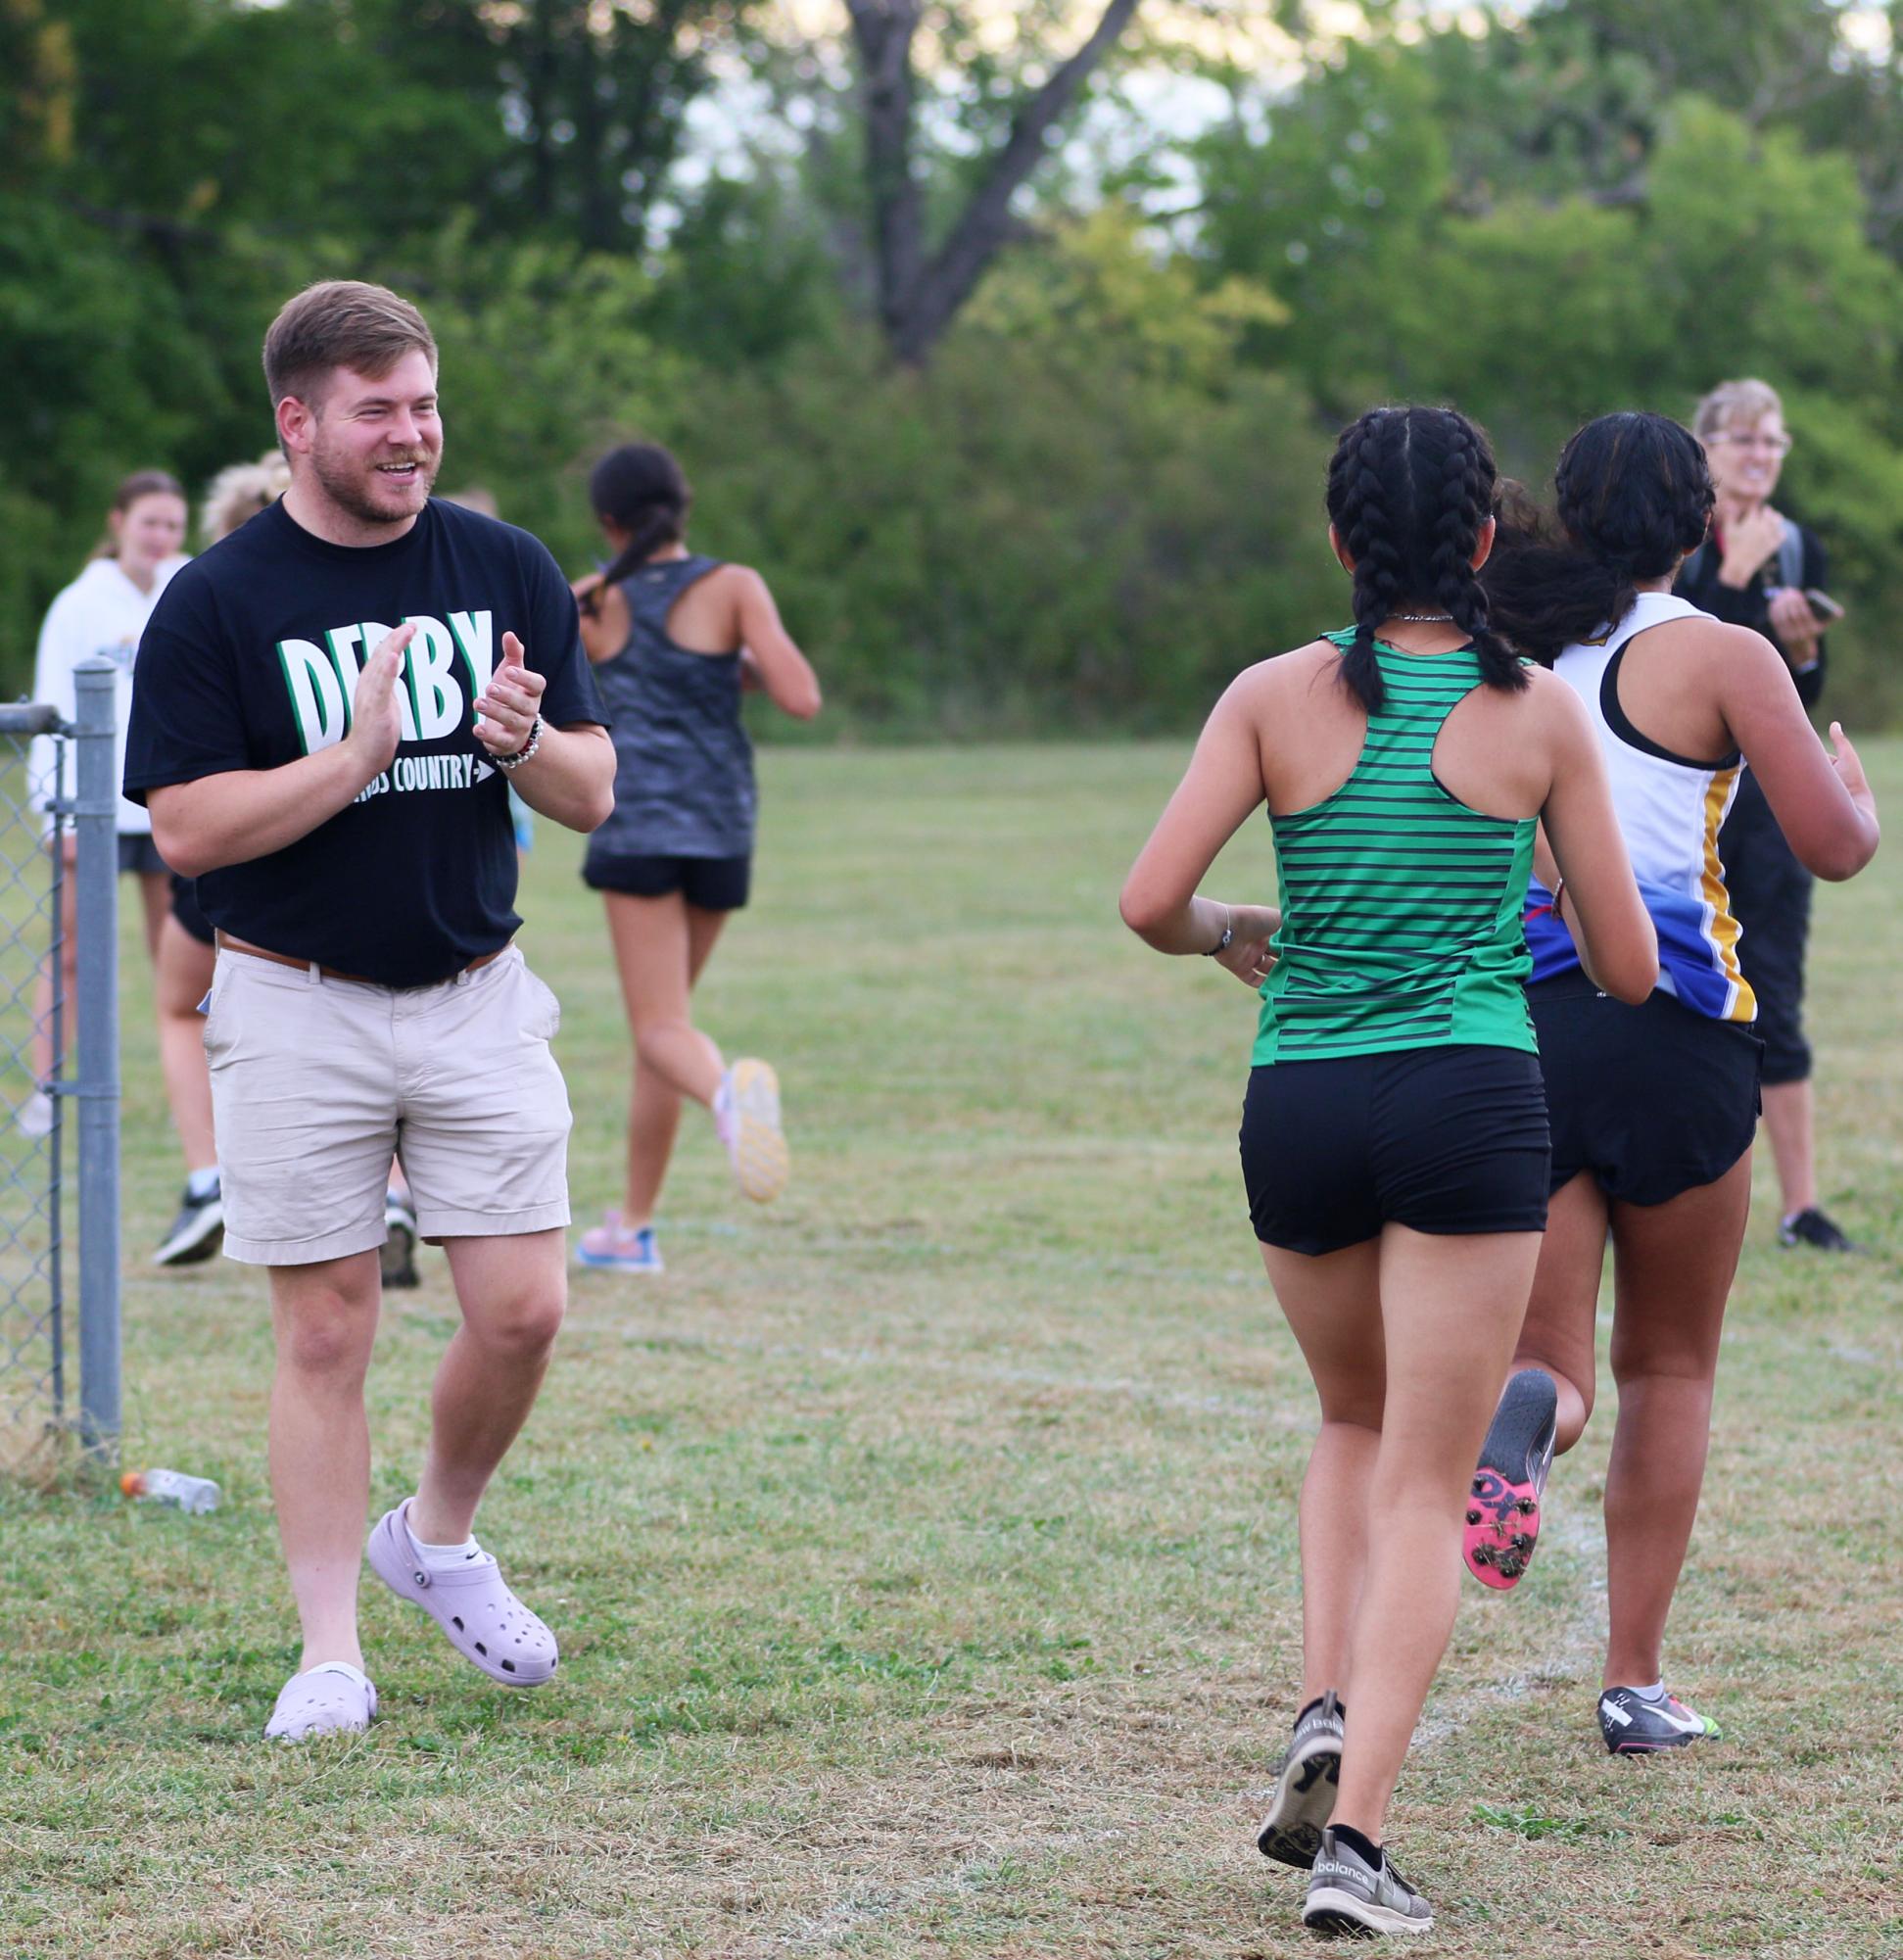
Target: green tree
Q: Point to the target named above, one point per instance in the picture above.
(378, 119)
(1083, 514)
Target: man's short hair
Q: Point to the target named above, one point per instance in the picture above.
(1735, 402)
(340, 324)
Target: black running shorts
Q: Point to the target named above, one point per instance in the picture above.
(1653, 1100)
(1775, 912)
(1444, 1140)
(1771, 901)
(713, 883)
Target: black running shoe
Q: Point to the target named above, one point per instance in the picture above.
(196, 1233)
(1816, 1230)
(400, 1243)
(1633, 1725)
(1305, 1786)
(1348, 1895)
(1504, 1513)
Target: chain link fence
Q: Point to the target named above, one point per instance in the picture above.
(59, 1084)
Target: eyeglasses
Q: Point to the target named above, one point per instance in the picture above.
(1776, 445)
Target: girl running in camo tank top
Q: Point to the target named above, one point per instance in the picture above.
(1393, 1135)
(675, 639)
(1653, 1105)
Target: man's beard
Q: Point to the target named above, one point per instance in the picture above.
(343, 485)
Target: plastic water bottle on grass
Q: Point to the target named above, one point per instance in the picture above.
(192, 1494)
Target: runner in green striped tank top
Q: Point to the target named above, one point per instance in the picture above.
(1401, 905)
(1393, 1140)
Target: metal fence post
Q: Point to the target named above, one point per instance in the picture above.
(33, 740)
(97, 1091)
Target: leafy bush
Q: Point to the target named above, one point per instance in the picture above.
(1083, 515)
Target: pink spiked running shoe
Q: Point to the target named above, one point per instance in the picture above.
(1504, 1509)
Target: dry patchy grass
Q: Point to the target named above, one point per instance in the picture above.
(923, 1550)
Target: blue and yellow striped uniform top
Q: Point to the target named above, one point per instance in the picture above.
(1401, 905)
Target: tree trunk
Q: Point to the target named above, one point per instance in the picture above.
(885, 30)
(919, 297)
(541, 68)
(594, 149)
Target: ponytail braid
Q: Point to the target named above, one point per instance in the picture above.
(1359, 483)
(1465, 495)
(657, 525)
(641, 490)
(1634, 497)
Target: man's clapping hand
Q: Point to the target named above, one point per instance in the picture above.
(376, 717)
(511, 704)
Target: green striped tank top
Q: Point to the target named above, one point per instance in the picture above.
(1400, 906)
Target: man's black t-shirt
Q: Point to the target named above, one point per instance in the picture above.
(249, 661)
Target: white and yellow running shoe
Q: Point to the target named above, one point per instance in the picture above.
(746, 1116)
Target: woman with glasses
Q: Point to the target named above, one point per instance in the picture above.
(1758, 569)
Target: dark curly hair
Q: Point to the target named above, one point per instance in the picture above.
(1408, 491)
(1633, 497)
(642, 491)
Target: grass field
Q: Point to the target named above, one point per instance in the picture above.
(923, 1550)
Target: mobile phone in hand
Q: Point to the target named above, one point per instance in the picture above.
(1824, 608)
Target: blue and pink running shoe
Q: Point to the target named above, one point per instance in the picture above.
(609, 1249)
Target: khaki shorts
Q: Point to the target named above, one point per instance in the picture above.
(315, 1082)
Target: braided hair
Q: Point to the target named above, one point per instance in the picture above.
(641, 490)
(1635, 496)
(1410, 491)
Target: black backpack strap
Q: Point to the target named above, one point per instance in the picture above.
(1791, 556)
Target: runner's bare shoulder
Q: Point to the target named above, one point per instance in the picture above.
(1702, 637)
(1736, 666)
(605, 619)
(1282, 681)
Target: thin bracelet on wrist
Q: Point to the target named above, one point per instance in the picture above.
(528, 749)
(1228, 934)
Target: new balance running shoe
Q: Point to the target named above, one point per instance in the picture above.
(1504, 1512)
(1305, 1786)
(1348, 1895)
(197, 1231)
(1637, 1725)
(399, 1257)
(1816, 1230)
(746, 1116)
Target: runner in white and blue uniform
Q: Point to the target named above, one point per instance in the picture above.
(1652, 1108)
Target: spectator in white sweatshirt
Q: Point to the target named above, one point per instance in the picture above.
(101, 616)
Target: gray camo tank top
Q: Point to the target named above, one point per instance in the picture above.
(684, 780)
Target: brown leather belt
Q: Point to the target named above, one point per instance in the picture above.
(231, 945)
